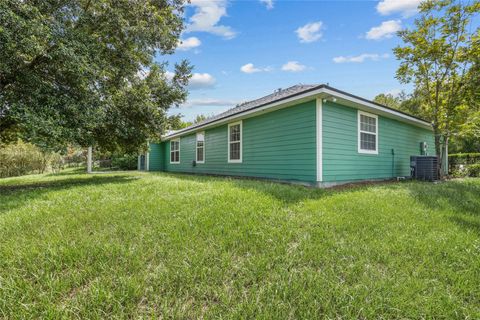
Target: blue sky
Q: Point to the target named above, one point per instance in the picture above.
(242, 50)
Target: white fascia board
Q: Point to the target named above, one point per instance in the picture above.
(247, 114)
(371, 107)
(318, 93)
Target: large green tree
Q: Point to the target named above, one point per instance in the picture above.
(388, 99)
(438, 56)
(83, 71)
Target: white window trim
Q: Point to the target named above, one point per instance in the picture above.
(175, 162)
(241, 142)
(196, 147)
(359, 131)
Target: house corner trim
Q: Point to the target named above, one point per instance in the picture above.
(319, 121)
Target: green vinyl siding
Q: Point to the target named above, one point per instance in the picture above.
(276, 145)
(156, 155)
(343, 162)
(282, 145)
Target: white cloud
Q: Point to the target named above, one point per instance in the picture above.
(207, 16)
(394, 92)
(201, 81)
(360, 58)
(208, 102)
(267, 3)
(250, 68)
(385, 30)
(197, 81)
(310, 32)
(406, 8)
(293, 66)
(189, 43)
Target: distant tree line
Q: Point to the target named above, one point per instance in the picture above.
(175, 122)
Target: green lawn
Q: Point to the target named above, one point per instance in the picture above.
(178, 246)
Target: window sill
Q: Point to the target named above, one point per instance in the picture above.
(368, 152)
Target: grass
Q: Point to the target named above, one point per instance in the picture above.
(139, 245)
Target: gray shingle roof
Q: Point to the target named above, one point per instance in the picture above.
(277, 95)
(281, 94)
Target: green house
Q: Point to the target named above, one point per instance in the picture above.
(309, 134)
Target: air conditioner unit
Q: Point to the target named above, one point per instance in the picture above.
(424, 168)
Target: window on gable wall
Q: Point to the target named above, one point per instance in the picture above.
(175, 151)
(367, 133)
(200, 148)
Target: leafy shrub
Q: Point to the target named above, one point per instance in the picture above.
(459, 171)
(459, 163)
(463, 158)
(56, 161)
(75, 157)
(125, 162)
(24, 158)
(473, 170)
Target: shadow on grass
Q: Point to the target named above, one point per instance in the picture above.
(467, 223)
(460, 197)
(13, 196)
(289, 193)
(68, 172)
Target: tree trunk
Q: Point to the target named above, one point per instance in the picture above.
(89, 160)
(438, 149)
(445, 155)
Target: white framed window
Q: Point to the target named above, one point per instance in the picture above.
(367, 133)
(235, 142)
(200, 148)
(175, 151)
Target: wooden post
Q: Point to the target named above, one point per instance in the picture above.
(89, 160)
(446, 157)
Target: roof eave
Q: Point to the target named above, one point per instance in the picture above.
(321, 91)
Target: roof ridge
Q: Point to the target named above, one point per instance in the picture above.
(283, 94)
(276, 95)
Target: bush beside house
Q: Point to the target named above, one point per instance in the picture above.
(464, 164)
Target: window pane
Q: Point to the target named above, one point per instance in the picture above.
(199, 144)
(235, 133)
(367, 141)
(200, 154)
(172, 156)
(174, 145)
(235, 151)
(368, 123)
(177, 156)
